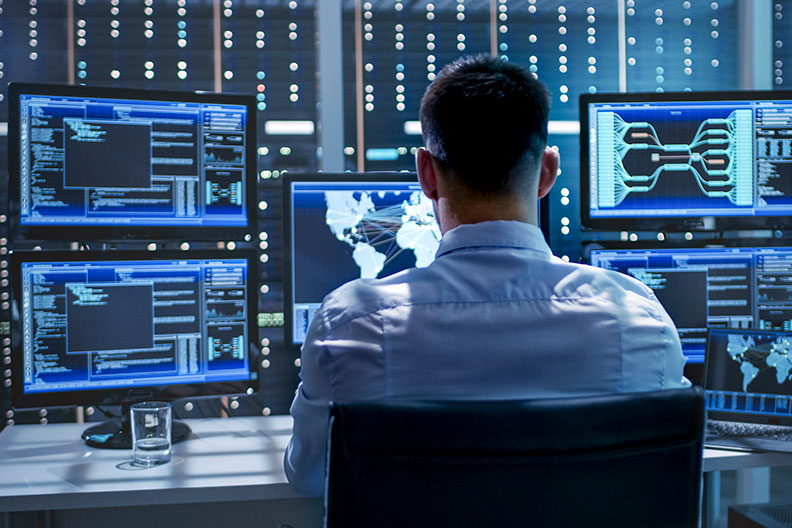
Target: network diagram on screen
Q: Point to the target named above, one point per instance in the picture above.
(347, 230)
(712, 287)
(753, 372)
(691, 158)
(97, 161)
(101, 324)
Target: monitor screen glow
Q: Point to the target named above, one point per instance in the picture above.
(101, 159)
(115, 326)
(747, 376)
(679, 161)
(745, 287)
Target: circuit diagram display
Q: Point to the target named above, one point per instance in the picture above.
(685, 159)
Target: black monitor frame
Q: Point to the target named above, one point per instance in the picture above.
(743, 417)
(122, 396)
(84, 232)
(669, 223)
(288, 178)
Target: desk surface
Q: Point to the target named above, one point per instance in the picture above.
(728, 459)
(48, 467)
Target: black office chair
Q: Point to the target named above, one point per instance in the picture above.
(603, 461)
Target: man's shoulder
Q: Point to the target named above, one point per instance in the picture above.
(582, 279)
(362, 297)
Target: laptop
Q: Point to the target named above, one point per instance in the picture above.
(748, 389)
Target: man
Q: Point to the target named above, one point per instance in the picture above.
(496, 315)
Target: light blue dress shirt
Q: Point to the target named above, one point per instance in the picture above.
(495, 316)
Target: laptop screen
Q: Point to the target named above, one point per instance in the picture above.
(748, 375)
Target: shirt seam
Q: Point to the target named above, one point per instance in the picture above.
(385, 356)
(472, 301)
(331, 371)
(621, 352)
(540, 251)
(663, 351)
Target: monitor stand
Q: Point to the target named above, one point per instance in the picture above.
(116, 433)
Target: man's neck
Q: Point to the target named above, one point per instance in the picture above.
(452, 214)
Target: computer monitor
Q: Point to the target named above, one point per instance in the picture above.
(116, 163)
(118, 327)
(341, 227)
(701, 288)
(747, 376)
(686, 160)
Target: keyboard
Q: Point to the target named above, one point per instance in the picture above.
(748, 436)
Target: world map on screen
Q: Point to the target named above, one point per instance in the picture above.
(753, 358)
(379, 225)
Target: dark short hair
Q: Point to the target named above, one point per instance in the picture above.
(485, 120)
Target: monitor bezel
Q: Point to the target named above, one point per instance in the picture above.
(120, 395)
(742, 417)
(84, 232)
(668, 223)
(289, 177)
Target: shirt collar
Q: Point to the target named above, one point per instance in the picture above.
(497, 233)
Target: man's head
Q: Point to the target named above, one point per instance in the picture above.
(484, 120)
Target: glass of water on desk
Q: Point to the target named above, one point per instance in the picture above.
(151, 433)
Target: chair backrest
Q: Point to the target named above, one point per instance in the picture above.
(614, 460)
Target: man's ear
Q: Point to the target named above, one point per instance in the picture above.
(427, 175)
(549, 171)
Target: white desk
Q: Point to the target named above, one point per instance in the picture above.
(229, 473)
(727, 459)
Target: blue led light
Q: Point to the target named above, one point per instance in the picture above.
(382, 154)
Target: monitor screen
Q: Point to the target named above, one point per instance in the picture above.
(701, 288)
(341, 227)
(121, 326)
(748, 375)
(686, 160)
(119, 163)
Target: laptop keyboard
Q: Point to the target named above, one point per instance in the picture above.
(717, 428)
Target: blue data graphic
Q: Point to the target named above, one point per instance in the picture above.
(103, 324)
(95, 162)
(719, 168)
(690, 159)
(702, 288)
